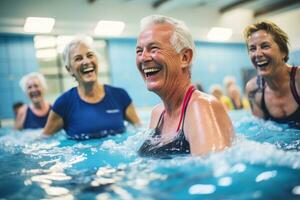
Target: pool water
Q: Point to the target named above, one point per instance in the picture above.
(263, 163)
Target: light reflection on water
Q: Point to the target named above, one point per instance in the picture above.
(264, 156)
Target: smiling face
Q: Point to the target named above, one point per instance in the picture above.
(84, 64)
(156, 58)
(264, 53)
(34, 90)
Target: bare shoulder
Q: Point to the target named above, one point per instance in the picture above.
(155, 113)
(203, 101)
(158, 109)
(251, 85)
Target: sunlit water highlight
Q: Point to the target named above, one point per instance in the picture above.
(263, 163)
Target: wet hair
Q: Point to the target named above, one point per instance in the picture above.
(73, 44)
(278, 35)
(181, 37)
(33, 75)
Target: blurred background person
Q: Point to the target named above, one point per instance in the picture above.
(92, 109)
(216, 91)
(227, 82)
(34, 115)
(237, 100)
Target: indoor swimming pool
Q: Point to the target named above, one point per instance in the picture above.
(263, 163)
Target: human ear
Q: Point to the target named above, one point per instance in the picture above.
(69, 70)
(186, 57)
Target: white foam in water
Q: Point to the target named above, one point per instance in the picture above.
(238, 168)
(225, 181)
(202, 189)
(263, 153)
(266, 176)
(128, 147)
(296, 190)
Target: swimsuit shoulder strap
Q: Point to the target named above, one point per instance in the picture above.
(267, 115)
(186, 100)
(293, 85)
(159, 123)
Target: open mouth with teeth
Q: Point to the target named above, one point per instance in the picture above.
(151, 71)
(262, 64)
(35, 94)
(86, 70)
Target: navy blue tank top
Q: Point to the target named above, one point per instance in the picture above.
(179, 145)
(293, 119)
(32, 121)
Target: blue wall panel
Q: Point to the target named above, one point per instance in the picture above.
(125, 74)
(17, 57)
(214, 61)
(295, 58)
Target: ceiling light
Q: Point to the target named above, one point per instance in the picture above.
(46, 53)
(39, 25)
(219, 34)
(41, 41)
(109, 28)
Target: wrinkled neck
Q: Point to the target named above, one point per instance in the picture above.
(279, 80)
(173, 99)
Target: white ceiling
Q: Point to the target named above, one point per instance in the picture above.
(81, 16)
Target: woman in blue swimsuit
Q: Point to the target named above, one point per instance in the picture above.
(274, 92)
(34, 115)
(92, 109)
(187, 121)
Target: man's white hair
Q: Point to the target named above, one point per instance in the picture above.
(32, 75)
(181, 37)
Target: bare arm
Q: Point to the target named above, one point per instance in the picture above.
(131, 115)
(54, 124)
(20, 118)
(254, 96)
(207, 125)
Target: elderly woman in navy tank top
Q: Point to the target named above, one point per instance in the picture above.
(91, 109)
(187, 121)
(34, 115)
(274, 92)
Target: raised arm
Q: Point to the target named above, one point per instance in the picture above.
(207, 125)
(20, 118)
(131, 115)
(54, 124)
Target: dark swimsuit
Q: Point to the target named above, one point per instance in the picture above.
(294, 119)
(179, 145)
(32, 121)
